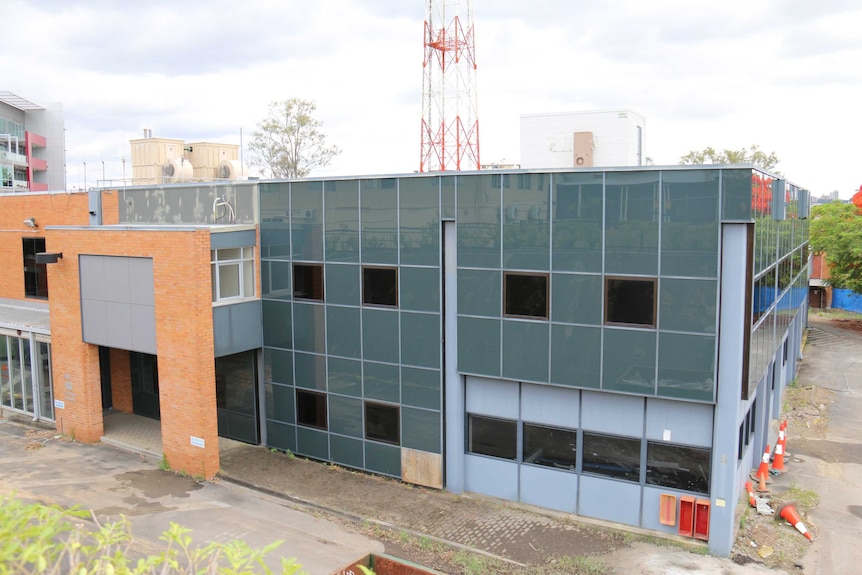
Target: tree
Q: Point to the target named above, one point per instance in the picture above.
(288, 143)
(753, 155)
(836, 232)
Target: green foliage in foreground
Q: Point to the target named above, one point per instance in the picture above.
(47, 539)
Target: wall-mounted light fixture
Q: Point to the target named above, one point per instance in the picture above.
(48, 257)
(31, 222)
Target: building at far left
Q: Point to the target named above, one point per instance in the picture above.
(32, 144)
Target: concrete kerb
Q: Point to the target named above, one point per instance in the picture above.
(300, 503)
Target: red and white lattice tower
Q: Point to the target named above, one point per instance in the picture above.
(450, 123)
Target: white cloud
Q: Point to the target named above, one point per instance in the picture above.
(783, 75)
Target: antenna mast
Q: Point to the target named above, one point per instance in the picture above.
(450, 122)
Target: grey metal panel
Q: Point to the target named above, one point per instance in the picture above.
(610, 500)
(611, 413)
(687, 423)
(119, 325)
(143, 331)
(91, 270)
(493, 477)
(549, 488)
(116, 279)
(94, 320)
(238, 239)
(558, 406)
(237, 327)
(142, 284)
(493, 397)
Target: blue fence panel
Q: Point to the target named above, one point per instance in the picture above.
(847, 299)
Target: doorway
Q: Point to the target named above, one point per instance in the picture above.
(145, 384)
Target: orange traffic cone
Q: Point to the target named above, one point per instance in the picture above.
(750, 490)
(762, 472)
(782, 436)
(787, 511)
(778, 458)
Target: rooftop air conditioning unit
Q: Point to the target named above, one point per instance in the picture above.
(232, 170)
(177, 170)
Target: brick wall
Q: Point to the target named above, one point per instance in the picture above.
(49, 210)
(184, 339)
(121, 381)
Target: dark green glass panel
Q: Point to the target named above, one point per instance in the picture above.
(689, 231)
(309, 327)
(629, 361)
(420, 288)
(576, 298)
(577, 222)
(342, 284)
(380, 335)
(312, 442)
(345, 416)
(379, 203)
(343, 327)
(631, 222)
(480, 292)
(420, 387)
(420, 429)
(278, 366)
(346, 451)
(479, 346)
(280, 402)
(381, 381)
(281, 436)
(345, 376)
(688, 305)
(526, 222)
(447, 196)
(419, 220)
(277, 331)
(310, 371)
(421, 341)
(306, 216)
(525, 350)
(736, 195)
(342, 221)
(385, 459)
(576, 355)
(686, 366)
(275, 279)
(479, 199)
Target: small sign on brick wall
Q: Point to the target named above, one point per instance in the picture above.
(198, 441)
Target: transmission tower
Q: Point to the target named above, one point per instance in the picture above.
(450, 123)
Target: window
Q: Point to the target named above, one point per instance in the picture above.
(525, 295)
(35, 275)
(381, 423)
(616, 457)
(630, 301)
(494, 437)
(311, 408)
(380, 286)
(232, 273)
(308, 281)
(550, 447)
(678, 467)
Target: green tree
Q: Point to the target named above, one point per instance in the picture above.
(288, 143)
(836, 231)
(752, 155)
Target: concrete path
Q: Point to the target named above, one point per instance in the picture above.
(113, 482)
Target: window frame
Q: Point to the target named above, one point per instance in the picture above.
(34, 272)
(471, 417)
(380, 437)
(623, 476)
(245, 260)
(543, 275)
(549, 463)
(643, 279)
(316, 278)
(320, 397)
(651, 475)
(365, 291)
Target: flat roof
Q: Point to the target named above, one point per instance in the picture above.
(17, 101)
(25, 316)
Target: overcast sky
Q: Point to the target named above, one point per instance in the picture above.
(783, 74)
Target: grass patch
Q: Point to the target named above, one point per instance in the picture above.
(834, 313)
(806, 498)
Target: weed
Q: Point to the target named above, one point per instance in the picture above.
(164, 465)
(290, 455)
(806, 498)
(582, 565)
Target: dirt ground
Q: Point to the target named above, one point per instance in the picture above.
(414, 523)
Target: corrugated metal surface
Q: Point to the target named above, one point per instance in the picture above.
(25, 315)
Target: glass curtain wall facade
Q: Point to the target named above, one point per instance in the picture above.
(20, 388)
(598, 281)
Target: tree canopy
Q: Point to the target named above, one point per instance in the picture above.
(836, 231)
(288, 143)
(752, 155)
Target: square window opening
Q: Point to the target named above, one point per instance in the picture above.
(630, 301)
(550, 446)
(678, 467)
(308, 281)
(35, 274)
(382, 423)
(493, 437)
(616, 457)
(311, 409)
(525, 295)
(380, 286)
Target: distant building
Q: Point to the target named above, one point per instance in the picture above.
(32, 143)
(583, 139)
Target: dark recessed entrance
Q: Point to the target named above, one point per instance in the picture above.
(145, 384)
(236, 396)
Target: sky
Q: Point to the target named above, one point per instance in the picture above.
(785, 75)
